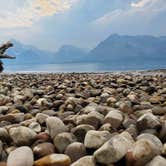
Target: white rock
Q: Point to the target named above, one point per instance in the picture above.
(22, 156)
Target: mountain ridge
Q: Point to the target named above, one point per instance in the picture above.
(124, 49)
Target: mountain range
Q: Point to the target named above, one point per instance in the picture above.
(129, 49)
(116, 48)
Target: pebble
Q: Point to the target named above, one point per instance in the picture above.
(41, 118)
(81, 130)
(4, 135)
(148, 121)
(144, 149)
(157, 161)
(114, 149)
(62, 140)
(3, 109)
(22, 135)
(114, 117)
(75, 151)
(43, 149)
(35, 127)
(95, 139)
(55, 126)
(88, 119)
(22, 156)
(87, 160)
(53, 160)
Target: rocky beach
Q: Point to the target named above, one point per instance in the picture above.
(88, 119)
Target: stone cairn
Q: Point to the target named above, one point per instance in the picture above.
(3, 48)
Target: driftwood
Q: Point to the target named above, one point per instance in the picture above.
(3, 48)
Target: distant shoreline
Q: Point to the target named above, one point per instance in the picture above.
(133, 72)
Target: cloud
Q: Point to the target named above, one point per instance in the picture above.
(141, 3)
(50, 7)
(109, 17)
(32, 11)
(144, 9)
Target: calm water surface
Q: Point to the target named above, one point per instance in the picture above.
(79, 67)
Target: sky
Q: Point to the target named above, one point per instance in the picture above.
(49, 24)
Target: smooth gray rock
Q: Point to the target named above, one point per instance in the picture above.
(95, 139)
(62, 140)
(22, 135)
(22, 156)
(148, 121)
(144, 150)
(114, 117)
(157, 161)
(114, 149)
(85, 161)
(75, 151)
(55, 126)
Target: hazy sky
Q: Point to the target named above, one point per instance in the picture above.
(49, 24)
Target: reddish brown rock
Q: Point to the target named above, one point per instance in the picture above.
(53, 160)
(43, 149)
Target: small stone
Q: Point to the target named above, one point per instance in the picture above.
(35, 127)
(157, 161)
(104, 97)
(155, 99)
(55, 126)
(95, 139)
(41, 118)
(8, 118)
(148, 121)
(42, 101)
(153, 139)
(114, 149)
(4, 135)
(19, 117)
(3, 109)
(132, 130)
(111, 100)
(80, 131)
(114, 117)
(22, 156)
(62, 140)
(144, 149)
(53, 160)
(88, 119)
(85, 161)
(75, 151)
(106, 127)
(49, 112)
(126, 107)
(142, 112)
(43, 149)
(22, 109)
(43, 137)
(22, 135)
(158, 110)
(133, 98)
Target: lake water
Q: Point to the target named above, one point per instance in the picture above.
(79, 67)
